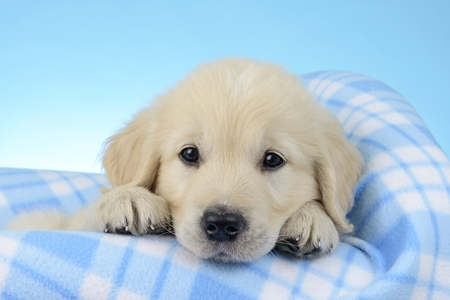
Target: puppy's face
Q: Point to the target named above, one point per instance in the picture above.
(235, 149)
(235, 162)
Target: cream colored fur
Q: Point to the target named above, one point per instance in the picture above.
(233, 111)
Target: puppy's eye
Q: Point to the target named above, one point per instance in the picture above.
(190, 155)
(272, 161)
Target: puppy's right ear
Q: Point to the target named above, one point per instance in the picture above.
(130, 156)
(339, 166)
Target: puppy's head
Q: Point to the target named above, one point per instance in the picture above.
(235, 149)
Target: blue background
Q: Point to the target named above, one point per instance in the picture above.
(73, 72)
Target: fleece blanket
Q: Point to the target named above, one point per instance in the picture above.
(400, 248)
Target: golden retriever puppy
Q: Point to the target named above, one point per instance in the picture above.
(237, 159)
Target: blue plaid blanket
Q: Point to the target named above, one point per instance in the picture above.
(400, 248)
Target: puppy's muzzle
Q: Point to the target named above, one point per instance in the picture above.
(222, 226)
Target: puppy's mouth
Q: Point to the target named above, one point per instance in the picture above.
(225, 256)
(250, 245)
(236, 251)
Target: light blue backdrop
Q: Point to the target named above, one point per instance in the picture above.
(72, 72)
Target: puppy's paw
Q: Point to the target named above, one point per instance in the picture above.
(309, 232)
(131, 210)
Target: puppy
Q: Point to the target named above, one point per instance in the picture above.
(237, 159)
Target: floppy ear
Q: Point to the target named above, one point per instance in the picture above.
(130, 156)
(338, 169)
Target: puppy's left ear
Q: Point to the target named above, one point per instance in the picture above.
(131, 156)
(338, 168)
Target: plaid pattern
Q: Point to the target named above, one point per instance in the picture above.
(400, 248)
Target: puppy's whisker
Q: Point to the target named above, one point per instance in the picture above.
(282, 243)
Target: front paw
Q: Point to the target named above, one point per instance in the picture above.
(309, 232)
(131, 210)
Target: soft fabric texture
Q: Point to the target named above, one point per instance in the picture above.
(400, 248)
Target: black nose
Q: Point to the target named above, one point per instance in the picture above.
(222, 226)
